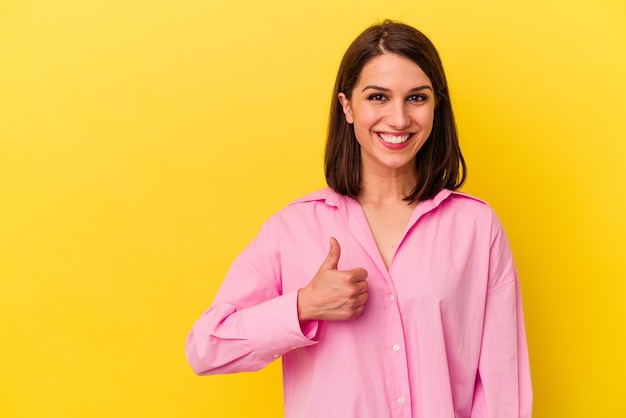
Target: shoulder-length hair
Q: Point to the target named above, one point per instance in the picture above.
(439, 162)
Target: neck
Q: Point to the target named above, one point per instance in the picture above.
(387, 188)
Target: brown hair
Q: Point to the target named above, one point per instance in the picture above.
(439, 162)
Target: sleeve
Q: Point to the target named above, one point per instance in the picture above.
(250, 323)
(503, 387)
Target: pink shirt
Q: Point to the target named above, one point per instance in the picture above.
(442, 334)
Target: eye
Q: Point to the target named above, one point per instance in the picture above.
(377, 97)
(418, 98)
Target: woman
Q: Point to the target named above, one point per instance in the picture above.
(388, 294)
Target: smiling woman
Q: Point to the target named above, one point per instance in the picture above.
(142, 146)
(420, 314)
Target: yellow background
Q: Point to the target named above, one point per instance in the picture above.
(143, 143)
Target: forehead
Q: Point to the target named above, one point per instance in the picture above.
(389, 70)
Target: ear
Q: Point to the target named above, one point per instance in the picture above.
(347, 110)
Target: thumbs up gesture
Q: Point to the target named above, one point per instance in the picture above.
(333, 295)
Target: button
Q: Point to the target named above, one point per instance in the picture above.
(393, 297)
(276, 355)
(401, 400)
(396, 347)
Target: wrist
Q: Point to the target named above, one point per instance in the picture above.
(303, 314)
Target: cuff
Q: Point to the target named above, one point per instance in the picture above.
(273, 328)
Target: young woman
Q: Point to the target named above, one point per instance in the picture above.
(389, 293)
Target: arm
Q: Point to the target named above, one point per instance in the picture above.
(503, 387)
(228, 339)
(250, 323)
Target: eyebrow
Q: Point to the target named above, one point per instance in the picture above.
(386, 90)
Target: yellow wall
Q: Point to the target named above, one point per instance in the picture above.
(142, 143)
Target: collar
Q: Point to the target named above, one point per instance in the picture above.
(334, 199)
(326, 195)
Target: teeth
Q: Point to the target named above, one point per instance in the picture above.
(393, 139)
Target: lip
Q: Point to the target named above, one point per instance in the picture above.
(391, 145)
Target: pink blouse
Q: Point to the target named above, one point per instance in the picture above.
(442, 334)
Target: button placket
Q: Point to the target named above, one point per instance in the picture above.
(400, 401)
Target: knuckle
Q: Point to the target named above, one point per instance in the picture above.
(352, 292)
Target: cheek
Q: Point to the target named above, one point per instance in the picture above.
(364, 119)
(361, 133)
(425, 118)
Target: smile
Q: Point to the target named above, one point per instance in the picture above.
(394, 139)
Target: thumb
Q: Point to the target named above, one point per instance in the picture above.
(330, 263)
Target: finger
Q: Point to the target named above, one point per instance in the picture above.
(361, 299)
(330, 263)
(358, 274)
(358, 310)
(362, 287)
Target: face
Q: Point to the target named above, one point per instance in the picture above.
(392, 108)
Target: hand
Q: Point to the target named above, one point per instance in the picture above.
(333, 295)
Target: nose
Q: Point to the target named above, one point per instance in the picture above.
(398, 117)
